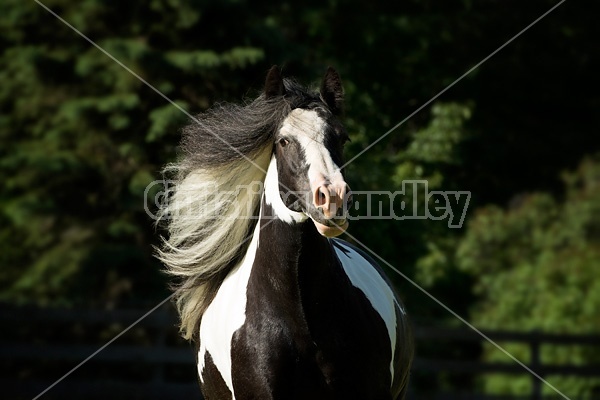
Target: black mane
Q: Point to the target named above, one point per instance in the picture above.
(228, 132)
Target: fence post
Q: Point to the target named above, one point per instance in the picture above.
(535, 365)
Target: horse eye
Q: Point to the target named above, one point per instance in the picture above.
(284, 142)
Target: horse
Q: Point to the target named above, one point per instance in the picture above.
(278, 307)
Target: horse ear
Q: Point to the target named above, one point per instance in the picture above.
(274, 83)
(332, 91)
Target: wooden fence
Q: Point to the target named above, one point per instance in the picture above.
(150, 361)
(534, 341)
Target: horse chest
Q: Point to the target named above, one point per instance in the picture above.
(254, 340)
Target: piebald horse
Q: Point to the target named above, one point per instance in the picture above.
(279, 308)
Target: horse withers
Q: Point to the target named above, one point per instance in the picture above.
(278, 307)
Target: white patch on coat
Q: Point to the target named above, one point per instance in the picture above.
(273, 197)
(371, 283)
(225, 315)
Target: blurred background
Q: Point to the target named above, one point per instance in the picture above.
(81, 138)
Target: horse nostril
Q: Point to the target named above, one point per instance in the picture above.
(321, 197)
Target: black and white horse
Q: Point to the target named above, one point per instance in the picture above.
(279, 309)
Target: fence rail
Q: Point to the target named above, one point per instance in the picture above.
(534, 340)
(40, 345)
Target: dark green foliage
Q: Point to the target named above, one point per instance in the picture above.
(82, 138)
(535, 267)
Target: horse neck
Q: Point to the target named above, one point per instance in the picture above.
(292, 259)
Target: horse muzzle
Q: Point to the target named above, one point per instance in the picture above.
(332, 202)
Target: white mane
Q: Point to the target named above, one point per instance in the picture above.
(211, 213)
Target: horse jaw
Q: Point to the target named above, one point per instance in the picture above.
(330, 231)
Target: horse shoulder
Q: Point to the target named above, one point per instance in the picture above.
(367, 276)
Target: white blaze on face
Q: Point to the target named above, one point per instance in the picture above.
(308, 128)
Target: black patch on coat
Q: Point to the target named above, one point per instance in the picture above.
(214, 387)
(308, 334)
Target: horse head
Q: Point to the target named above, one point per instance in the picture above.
(308, 150)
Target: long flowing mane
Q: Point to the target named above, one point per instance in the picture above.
(213, 204)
